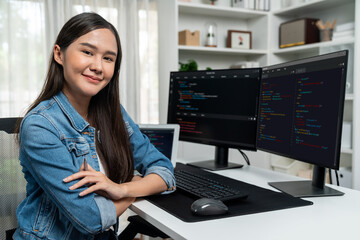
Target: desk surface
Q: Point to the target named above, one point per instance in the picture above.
(328, 218)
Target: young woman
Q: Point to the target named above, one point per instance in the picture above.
(75, 131)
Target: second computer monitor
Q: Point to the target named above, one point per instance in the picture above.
(300, 115)
(217, 107)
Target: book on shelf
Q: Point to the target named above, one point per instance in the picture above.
(345, 27)
(260, 5)
(343, 34)
(344, 30)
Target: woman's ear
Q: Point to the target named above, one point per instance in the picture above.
(58, 55)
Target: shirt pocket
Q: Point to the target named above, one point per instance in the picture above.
(79, 146)
(45, 216)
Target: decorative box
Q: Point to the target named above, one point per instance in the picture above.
(189, 38)
(298, 32)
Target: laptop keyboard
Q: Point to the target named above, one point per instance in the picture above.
(204, 186)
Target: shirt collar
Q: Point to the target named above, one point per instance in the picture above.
(76, 120)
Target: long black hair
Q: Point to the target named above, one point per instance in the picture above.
(104, 108)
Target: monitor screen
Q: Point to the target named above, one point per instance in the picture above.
(216, 107)
(301, 109)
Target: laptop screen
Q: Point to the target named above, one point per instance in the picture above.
(163, 137)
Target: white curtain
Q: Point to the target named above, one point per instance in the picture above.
(23, 57)
(28, 31)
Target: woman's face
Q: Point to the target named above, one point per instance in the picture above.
(88, 63)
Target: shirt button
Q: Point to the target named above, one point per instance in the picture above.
(93, 156)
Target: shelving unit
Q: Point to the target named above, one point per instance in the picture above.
(176, 16)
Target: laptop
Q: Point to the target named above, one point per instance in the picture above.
(165, 137)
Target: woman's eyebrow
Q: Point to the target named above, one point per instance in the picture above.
(95, 48)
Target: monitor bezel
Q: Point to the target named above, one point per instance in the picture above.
(340, 109)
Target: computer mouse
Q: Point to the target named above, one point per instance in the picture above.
(207, 207)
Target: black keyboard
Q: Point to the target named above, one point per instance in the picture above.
(203, 184)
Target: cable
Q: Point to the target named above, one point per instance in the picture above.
(330, 177)
(244, 156)
(337, 178)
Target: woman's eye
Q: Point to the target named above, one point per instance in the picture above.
(87, 52)
(108, 59)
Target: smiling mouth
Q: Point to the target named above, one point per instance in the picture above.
(92, 78)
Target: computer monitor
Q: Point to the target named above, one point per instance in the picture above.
(216, 107)
(300, 116)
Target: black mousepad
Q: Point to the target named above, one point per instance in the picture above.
(259, 200)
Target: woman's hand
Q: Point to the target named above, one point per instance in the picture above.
(97, 182)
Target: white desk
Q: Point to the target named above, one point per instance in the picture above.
(328, 218)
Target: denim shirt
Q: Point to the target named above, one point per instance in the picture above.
(54, 141)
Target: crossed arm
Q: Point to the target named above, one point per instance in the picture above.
(122, 194)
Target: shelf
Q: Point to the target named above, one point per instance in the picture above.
(313, 46)
(221, 51)
(305, 8)
(228, 12)
(347, 150)
(349, 97)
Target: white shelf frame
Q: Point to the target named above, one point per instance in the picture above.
(202, 9)
(349, 97)
(226, 51)
(307, 7)
(313, 46)
(347, 150)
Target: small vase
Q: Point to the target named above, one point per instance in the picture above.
(211, 35)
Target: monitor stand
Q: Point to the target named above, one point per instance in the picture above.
(314, 188)
(221, 161)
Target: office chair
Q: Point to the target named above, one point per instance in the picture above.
(12, 182)
(139, 225)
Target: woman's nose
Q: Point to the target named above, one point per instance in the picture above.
(96, 65)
